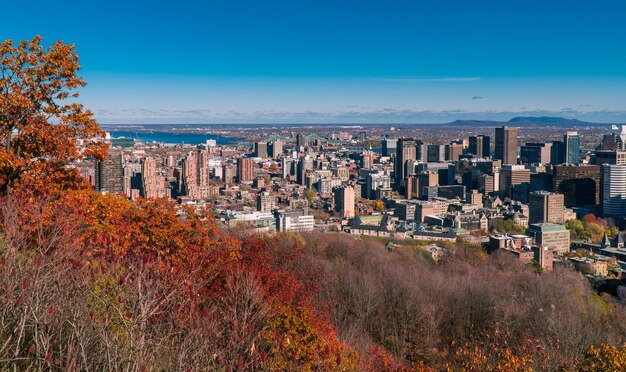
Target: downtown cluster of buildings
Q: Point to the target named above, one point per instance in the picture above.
(405, 188)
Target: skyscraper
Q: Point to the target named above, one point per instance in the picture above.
(388, 146)
(109, 173)
(546, 206)
(300, 140)
(506, 145)
(572, 147)
(613, 178)
(405, 151)
(479, 146)
(513, 175)
(454, 150)
(557, 153)
(435, 153)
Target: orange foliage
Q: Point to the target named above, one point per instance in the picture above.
(39, 128)
(604, 358)
(183, 251)
(299, 341)
(499, 357)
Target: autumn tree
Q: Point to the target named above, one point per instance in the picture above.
(603, 358)
(311, 195)
(379, 206)
(41, 124)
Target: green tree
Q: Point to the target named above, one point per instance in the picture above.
(311, 195)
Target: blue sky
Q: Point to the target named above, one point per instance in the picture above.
(339, 61)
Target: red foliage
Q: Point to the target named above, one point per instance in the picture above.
(590, 218)
(170, 266)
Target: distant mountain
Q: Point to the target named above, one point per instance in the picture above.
(550, 120)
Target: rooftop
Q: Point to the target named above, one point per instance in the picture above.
(546, 227)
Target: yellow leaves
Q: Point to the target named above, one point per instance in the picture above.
(108, 306)
(604, 358)
(299, 341)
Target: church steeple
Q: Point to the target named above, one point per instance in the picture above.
(606, 243)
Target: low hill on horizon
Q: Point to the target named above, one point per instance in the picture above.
(528, 121)
(551, 120)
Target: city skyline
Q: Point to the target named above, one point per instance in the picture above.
(354, 62)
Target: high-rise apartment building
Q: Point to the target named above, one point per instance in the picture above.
(286, 167)
(324, 186)
(344, 201)
(189, 176)
(613, 181)
(479, 146)
(149, 182)
(109, 173)
(229, 172)
(275, 148)
(265, 202)
(245, 169)
(546, 206)
(260, 149)
(375, 181)
(405, 151)
(506, 145)
(203, 168)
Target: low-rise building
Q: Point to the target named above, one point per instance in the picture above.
(257, 221)
(294, 221)
(550, 235)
